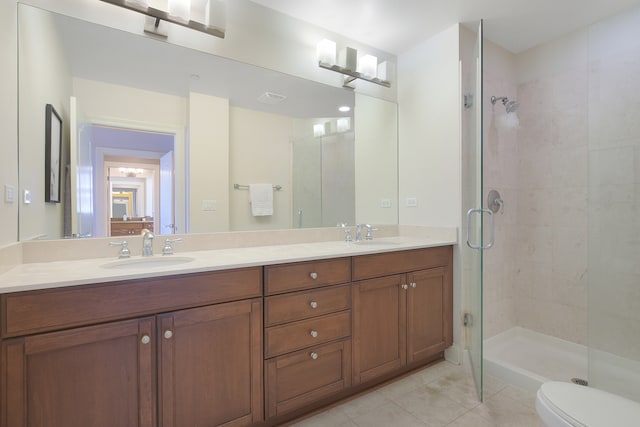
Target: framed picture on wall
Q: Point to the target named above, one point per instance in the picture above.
(53, 155)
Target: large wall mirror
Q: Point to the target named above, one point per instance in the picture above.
(164, 137)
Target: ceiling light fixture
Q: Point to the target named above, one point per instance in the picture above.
(180, 12)
(344, 109)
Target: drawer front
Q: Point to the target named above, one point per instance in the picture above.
(303, 305)
(38, 311)
(295, 336)
(306, 275)
(304, 377)
(385, 264)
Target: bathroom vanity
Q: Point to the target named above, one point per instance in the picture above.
(238, 345)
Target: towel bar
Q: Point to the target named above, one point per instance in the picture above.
(246, 187)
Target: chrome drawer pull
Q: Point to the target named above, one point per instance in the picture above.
(146, 339)
(313, 304)
(168, 334)
(314, 334)
(405, 286)
(413, 285)
(313, 275)
(313, 355)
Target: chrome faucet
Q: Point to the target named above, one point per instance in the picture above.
(369, 235)
(147, 242)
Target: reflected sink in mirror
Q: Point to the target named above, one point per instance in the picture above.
(147, 262)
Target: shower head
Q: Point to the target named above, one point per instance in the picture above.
(510, 106)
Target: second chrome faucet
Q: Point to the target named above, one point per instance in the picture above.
(147, 242)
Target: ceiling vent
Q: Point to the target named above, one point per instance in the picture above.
(271, 98)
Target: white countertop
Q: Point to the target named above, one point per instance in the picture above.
(25, 277)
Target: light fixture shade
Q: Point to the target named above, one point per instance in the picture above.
(319, 129)
(349, 58)
(326, 52)
(180, 9)
(343, 124)
(368, 66)
(215, 14)
(384, 71)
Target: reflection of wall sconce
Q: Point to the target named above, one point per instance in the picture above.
(366, 68)
(180, 12)
(343, 124)
(319, 129)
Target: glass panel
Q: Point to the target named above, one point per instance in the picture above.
(614, 203)
(472, 196)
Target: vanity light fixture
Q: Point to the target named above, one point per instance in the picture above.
(181, 13)
(319, 129)
(366, 68)
(343, 124)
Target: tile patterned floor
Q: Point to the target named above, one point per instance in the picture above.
(441, 395)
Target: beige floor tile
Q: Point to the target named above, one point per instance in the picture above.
(470, 419)
(364, 404)
(431, 406)
(503, 411)
(492, 385)
(525, 397)
(457, 388)
(388, 415)
(400, 387)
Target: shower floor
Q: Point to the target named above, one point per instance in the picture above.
(527, 359)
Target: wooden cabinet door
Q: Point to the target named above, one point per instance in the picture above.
(379, 327)
(93, 376)
(210, 365)
(429, 312)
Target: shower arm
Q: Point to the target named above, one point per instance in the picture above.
(494, 99)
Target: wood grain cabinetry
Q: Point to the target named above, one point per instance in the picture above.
(205, 362)
(130, 228)
(401, 320)
(307, 338)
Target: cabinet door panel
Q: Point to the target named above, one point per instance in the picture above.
(211, 365)
(95, 376)
(426, 314)
(379, 327)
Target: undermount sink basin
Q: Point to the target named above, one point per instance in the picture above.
(148, 262)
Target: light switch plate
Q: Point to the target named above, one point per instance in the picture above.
(209, 205)
(412, 202)
(385, 203)
(9, 193)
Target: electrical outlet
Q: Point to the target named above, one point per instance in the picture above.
(412, 202)
(9, 194)
(385, 203)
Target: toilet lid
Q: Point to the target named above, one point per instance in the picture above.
(588, 406)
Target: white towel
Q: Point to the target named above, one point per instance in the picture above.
(261, 196)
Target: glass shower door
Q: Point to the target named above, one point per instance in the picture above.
(472, 204)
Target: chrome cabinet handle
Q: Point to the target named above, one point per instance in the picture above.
(168, 334)
(313, 275)
(405, 286)
(413, 285)
(314, 334)
(313, 355)
(313, 304)
(146, 339)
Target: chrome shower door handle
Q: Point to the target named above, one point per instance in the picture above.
(492, 227)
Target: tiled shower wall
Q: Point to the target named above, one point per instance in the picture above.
(535, 276)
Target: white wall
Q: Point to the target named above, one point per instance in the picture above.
(429, 131)
(259, 153)
(208, 163)
(45, 79)
(376, 157)
(8, 120)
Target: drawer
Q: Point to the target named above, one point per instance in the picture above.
(385, 264)
(304, 377)
(303, 305)
(306, 333)
(51, 309)
(305, 275)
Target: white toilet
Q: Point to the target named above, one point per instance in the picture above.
(561, 404)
